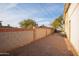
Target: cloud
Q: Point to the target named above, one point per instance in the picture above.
(41, 13)
(6, 6)
(43, 21)
(4, 13)
(46, 23)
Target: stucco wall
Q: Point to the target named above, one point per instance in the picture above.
(73, 16)
(14, 38)
(40, 33)
(11, 40)
(49, 31)
(67, 25)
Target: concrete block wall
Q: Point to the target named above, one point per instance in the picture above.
(40, 33)
(14, 39)
(11, 38)
(49, 31)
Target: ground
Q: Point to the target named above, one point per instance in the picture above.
(52, 45)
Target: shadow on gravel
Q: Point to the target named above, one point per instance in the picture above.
(53, 45)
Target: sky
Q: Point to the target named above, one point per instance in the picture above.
(42, 13)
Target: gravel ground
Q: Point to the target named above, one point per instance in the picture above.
(53, 45)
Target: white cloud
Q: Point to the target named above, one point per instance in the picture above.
(6, 6)
(4, 13)
(46, 23)
(14, 16)
(7, 16)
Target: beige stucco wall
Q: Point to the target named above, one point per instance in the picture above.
(73, 32)
(49, 31)
(16, 38)
(67, 25)
(40, 33)
(11, 40)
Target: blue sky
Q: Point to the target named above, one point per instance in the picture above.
(43, 13)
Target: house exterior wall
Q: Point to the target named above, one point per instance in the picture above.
(17, 37)
(72, 25)
(67, 25)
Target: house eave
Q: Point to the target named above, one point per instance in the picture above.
(66, 7)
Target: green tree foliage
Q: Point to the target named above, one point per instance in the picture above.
(29, 23)
(58, 23)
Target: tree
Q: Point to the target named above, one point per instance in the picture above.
(0, 23)
(42, 26)
(28, 24)
(8, 25)
(58, 23)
